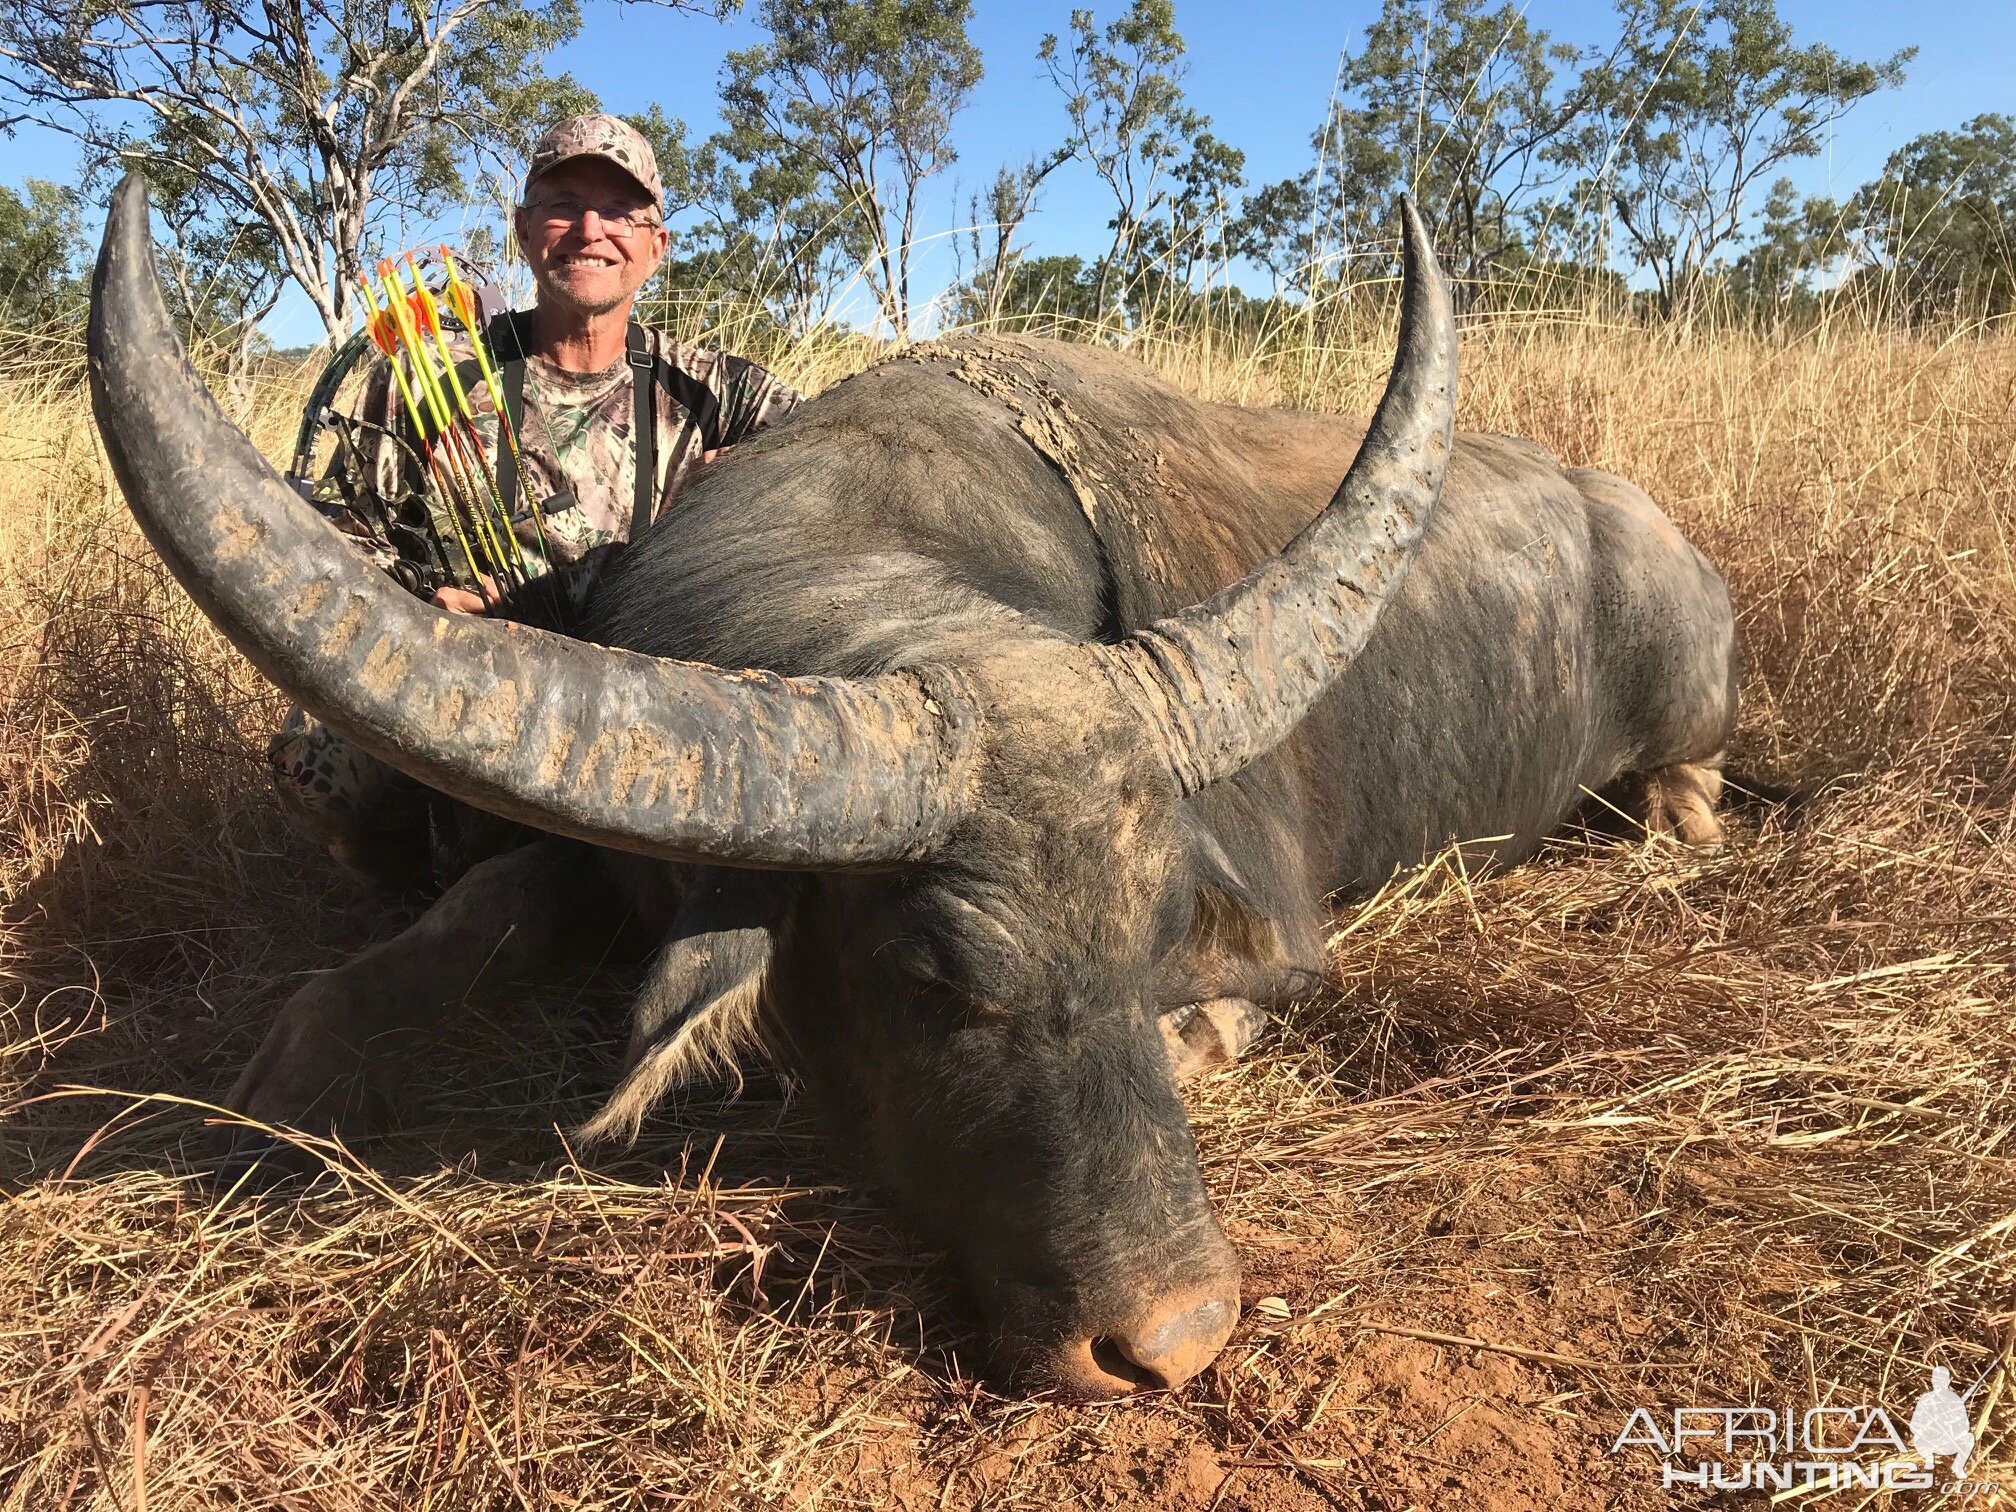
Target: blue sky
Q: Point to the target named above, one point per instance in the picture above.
(1262, 71)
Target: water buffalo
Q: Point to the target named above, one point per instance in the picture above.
(1011, 812)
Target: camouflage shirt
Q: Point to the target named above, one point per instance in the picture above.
(578, 456)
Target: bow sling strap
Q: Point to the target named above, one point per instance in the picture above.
(507, 334)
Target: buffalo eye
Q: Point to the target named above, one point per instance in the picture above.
(939, 937)
(914, 956)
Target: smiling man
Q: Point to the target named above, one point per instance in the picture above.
(591, 230)
(613, 419)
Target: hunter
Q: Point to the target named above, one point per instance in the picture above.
(602, 453)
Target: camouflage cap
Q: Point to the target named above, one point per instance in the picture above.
(608, 137)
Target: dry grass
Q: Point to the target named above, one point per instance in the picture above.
(1746, 1117)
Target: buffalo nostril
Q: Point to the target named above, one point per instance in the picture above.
(1156, 1352)
(1111, 1357)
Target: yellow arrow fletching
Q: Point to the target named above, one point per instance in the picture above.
(430, 314)
(459, 298)
(402, 313)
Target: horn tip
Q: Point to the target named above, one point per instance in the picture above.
(127, 243)
(1419, 246)
(126, 220)
(131, 195)
(1425, 299)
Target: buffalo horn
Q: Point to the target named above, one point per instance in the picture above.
(1225, 681)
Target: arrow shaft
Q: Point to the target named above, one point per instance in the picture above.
(430, 384)
(379, 324)
(454, 501)
(464, 301)
(431, 317)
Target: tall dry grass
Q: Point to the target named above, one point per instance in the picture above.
(1643, 1126)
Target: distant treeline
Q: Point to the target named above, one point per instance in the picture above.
(1642, 175)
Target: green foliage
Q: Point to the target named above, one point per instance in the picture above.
(715, 279)
(1701, 103)
(41, 249)
(1194, 233)
(1459, 103)
(1800, 238)
(1276, 227)
(283, 145)
(992, 225)
(1042, 294)
(1940, 224)
(222, 272)
(1526, 281)
(290, 133)
(1528, 154)
(681, 169)
(1130, 123)
(771, 235)
(835, 124)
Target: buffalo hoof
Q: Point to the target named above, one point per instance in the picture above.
(322, 1069)
(1680, 802)
(305, 1077)
(251, 1162)
(1206, 1036)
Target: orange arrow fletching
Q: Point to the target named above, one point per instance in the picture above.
(423, 297)
(375, 324)
(458, 293)
(465, 310)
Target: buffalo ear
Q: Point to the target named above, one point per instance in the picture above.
(698, 1008)
(1212, 867)
(1237, 945)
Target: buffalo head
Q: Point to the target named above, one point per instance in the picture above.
(946, 889)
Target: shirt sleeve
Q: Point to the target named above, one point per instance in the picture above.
(751, 397)
(708, 400)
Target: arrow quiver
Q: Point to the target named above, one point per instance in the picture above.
(373, 485)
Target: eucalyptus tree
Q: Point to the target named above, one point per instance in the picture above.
(1131, 123)
(1703, 104)
(845, 113)
(1940, 224)
(293, 130)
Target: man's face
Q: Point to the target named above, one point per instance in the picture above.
(581, 260)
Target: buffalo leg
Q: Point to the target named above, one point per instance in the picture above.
(1680, 801)
(1240, 961)
(1204, 1036)
(332, 1059)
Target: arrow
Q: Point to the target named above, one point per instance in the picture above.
(401, 308)
(462, 299)
(430, 317)
(384, 335)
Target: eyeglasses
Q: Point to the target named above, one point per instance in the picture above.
(618, 223)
